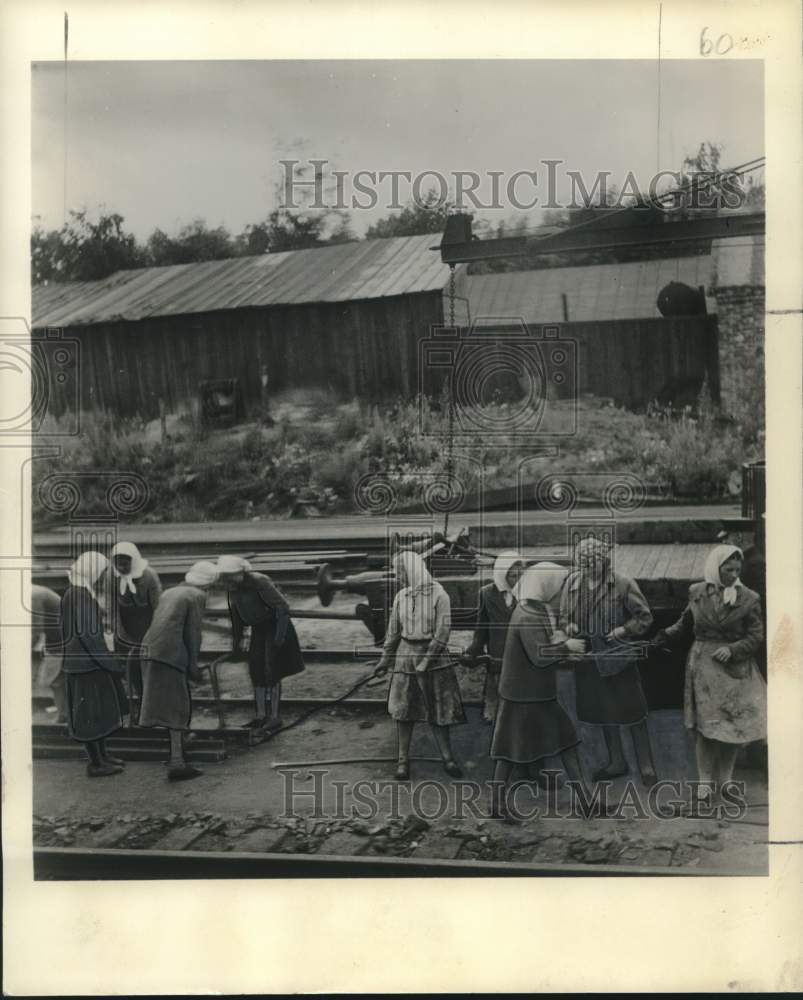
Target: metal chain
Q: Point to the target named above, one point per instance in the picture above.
(450, 440)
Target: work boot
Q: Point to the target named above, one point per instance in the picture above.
(402, 770)
(102, 770)
(609, 772)
(451, 768)
(183, 772)
(272, 725)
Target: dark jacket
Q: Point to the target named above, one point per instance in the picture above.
(738, 626)
(132, 614)
(82, 634)
(616, 603)
(530, 657)
(274, 641)
(493, 616)
(256, 600)
(174, 637)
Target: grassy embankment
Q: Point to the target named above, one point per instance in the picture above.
(320, 447)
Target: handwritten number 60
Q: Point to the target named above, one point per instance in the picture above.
(721, 47)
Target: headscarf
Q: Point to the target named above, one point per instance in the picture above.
(541, 582)
(590, 550)
(138, 565)
(233, 564)
(416, 573)
(87, 570)
(504, 562)
(716, 557)
(201, 574)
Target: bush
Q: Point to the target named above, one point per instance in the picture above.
(261, 471)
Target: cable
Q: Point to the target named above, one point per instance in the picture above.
(317, 708)
(749, 166)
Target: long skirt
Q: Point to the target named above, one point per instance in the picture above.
(166, 697)
(609, 701)
(268, 663)
(432, 696)
(96, 704)
(527, 731)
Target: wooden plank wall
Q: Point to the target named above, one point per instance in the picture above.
(634, 361)
(365, 348)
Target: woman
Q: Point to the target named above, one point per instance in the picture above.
(45, 627)
(725, 695)
(607, 610)
(96, 702)
(273, 649)
(170, 650)
(531, 724)
(135, 593)
(423, 686)
(496, 604)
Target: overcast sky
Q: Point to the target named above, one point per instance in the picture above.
(163, 143)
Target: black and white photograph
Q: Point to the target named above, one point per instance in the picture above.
(397, 498)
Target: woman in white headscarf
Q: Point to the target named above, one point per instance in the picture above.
(531, 724)
(96, 702)
(423, 686)
(495, 606)
(134, 593)
(274, 651)
(170, 650)
(725, 695)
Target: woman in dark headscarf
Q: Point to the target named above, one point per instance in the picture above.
(496, 604)
(96, 702)
(608, 610)
(726, 696)
(274, 651)
(135, 592)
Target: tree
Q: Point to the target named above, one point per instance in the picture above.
(299, 224)
(428, 215)
(286, 229)
(83, 250)
(195, 242)
(717, 186)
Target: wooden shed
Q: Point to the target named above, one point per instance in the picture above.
(347, 317)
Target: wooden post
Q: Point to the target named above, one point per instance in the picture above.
(565, 302)
(163, 419)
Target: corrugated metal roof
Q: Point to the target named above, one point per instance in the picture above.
(368, 269)
(594, 292)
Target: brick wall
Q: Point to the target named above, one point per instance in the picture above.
(738, 287)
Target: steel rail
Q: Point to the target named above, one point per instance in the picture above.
(79, 863)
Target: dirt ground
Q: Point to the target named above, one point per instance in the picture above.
(246, 801)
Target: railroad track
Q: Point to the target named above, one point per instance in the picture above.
(294, 571)
(78, 863)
